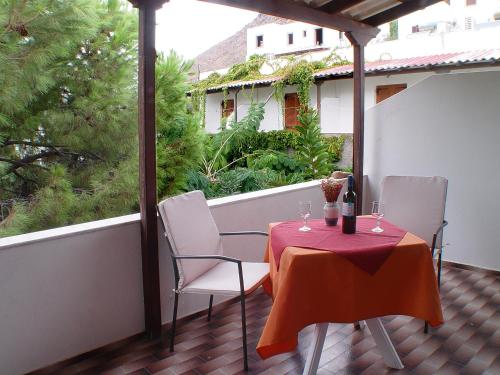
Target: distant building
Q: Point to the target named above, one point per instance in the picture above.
(440, 39)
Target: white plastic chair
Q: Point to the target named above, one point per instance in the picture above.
(197, 256)
(417, 204)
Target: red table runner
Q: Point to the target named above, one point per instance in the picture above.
(365, 249)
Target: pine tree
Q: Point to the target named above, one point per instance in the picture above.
(68, 122)
(179, 140)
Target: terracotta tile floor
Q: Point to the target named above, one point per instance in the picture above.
(469, 342)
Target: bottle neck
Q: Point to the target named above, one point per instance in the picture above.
(350, 183)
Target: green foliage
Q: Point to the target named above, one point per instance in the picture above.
(296, 71)
(299, 73)
(335, 146)
(274, 160)
(393, 30)
(230, 141)
(312, 151)
(32, 41)
(249, 69)
(179, 140)
(68, 130)
(17, 221)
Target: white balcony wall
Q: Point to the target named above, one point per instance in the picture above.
(446, 125)
(70, 290)
(67, 291)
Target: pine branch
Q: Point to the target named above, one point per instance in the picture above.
(28, 160)
(29, 143)
(25, 178)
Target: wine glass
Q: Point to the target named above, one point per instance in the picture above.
(305, 213)
(378, 213)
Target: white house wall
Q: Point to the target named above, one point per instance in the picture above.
(213, 112)
(336, 102)
(446, 125)
(276, 38)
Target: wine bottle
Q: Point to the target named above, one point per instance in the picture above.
(349, 208)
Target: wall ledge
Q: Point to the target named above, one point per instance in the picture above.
(94, 226)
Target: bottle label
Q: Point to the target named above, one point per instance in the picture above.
(348, 209)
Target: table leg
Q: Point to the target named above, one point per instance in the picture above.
(316, 348)
(384, 343)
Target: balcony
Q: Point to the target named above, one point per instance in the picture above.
(80, 291)
(75, 294)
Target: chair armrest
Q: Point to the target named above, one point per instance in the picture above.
(220, 257)
(441, 227)
(244, 232)
(434, 238)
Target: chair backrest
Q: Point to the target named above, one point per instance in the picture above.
(415, 203)
(190, 230)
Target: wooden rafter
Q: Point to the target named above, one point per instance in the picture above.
(338, 5)
(300, 12)
(401, 10)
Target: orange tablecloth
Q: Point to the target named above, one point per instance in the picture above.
(315, 286)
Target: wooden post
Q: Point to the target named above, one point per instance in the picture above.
(147, 167)
(358, 42)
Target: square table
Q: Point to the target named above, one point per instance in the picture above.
(319, 287)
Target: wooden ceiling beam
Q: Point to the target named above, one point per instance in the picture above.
(399, 11)
(291, 10)
(338, 5)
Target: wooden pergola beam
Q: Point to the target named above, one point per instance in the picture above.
(401, 10)
(294, 11)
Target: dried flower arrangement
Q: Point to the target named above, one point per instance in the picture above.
(331, 188)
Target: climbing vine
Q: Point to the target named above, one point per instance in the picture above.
(295, 71)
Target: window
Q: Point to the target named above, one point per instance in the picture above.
(260, 41)
(468, 23)
(386, 91)
(319, 37)
(470, 2)
(427, 27)
(341, 35)
(227, 108)
(292, 106)
(290, 38)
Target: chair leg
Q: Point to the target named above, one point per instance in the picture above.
(357, 326)
(439, 269)
(174, 321)
(426, 327)
(244, 329)
(210, 307)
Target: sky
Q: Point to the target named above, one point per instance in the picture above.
(191, 27)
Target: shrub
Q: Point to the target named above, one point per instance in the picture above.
(312, 151)
(274, 160)
(335, 146)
